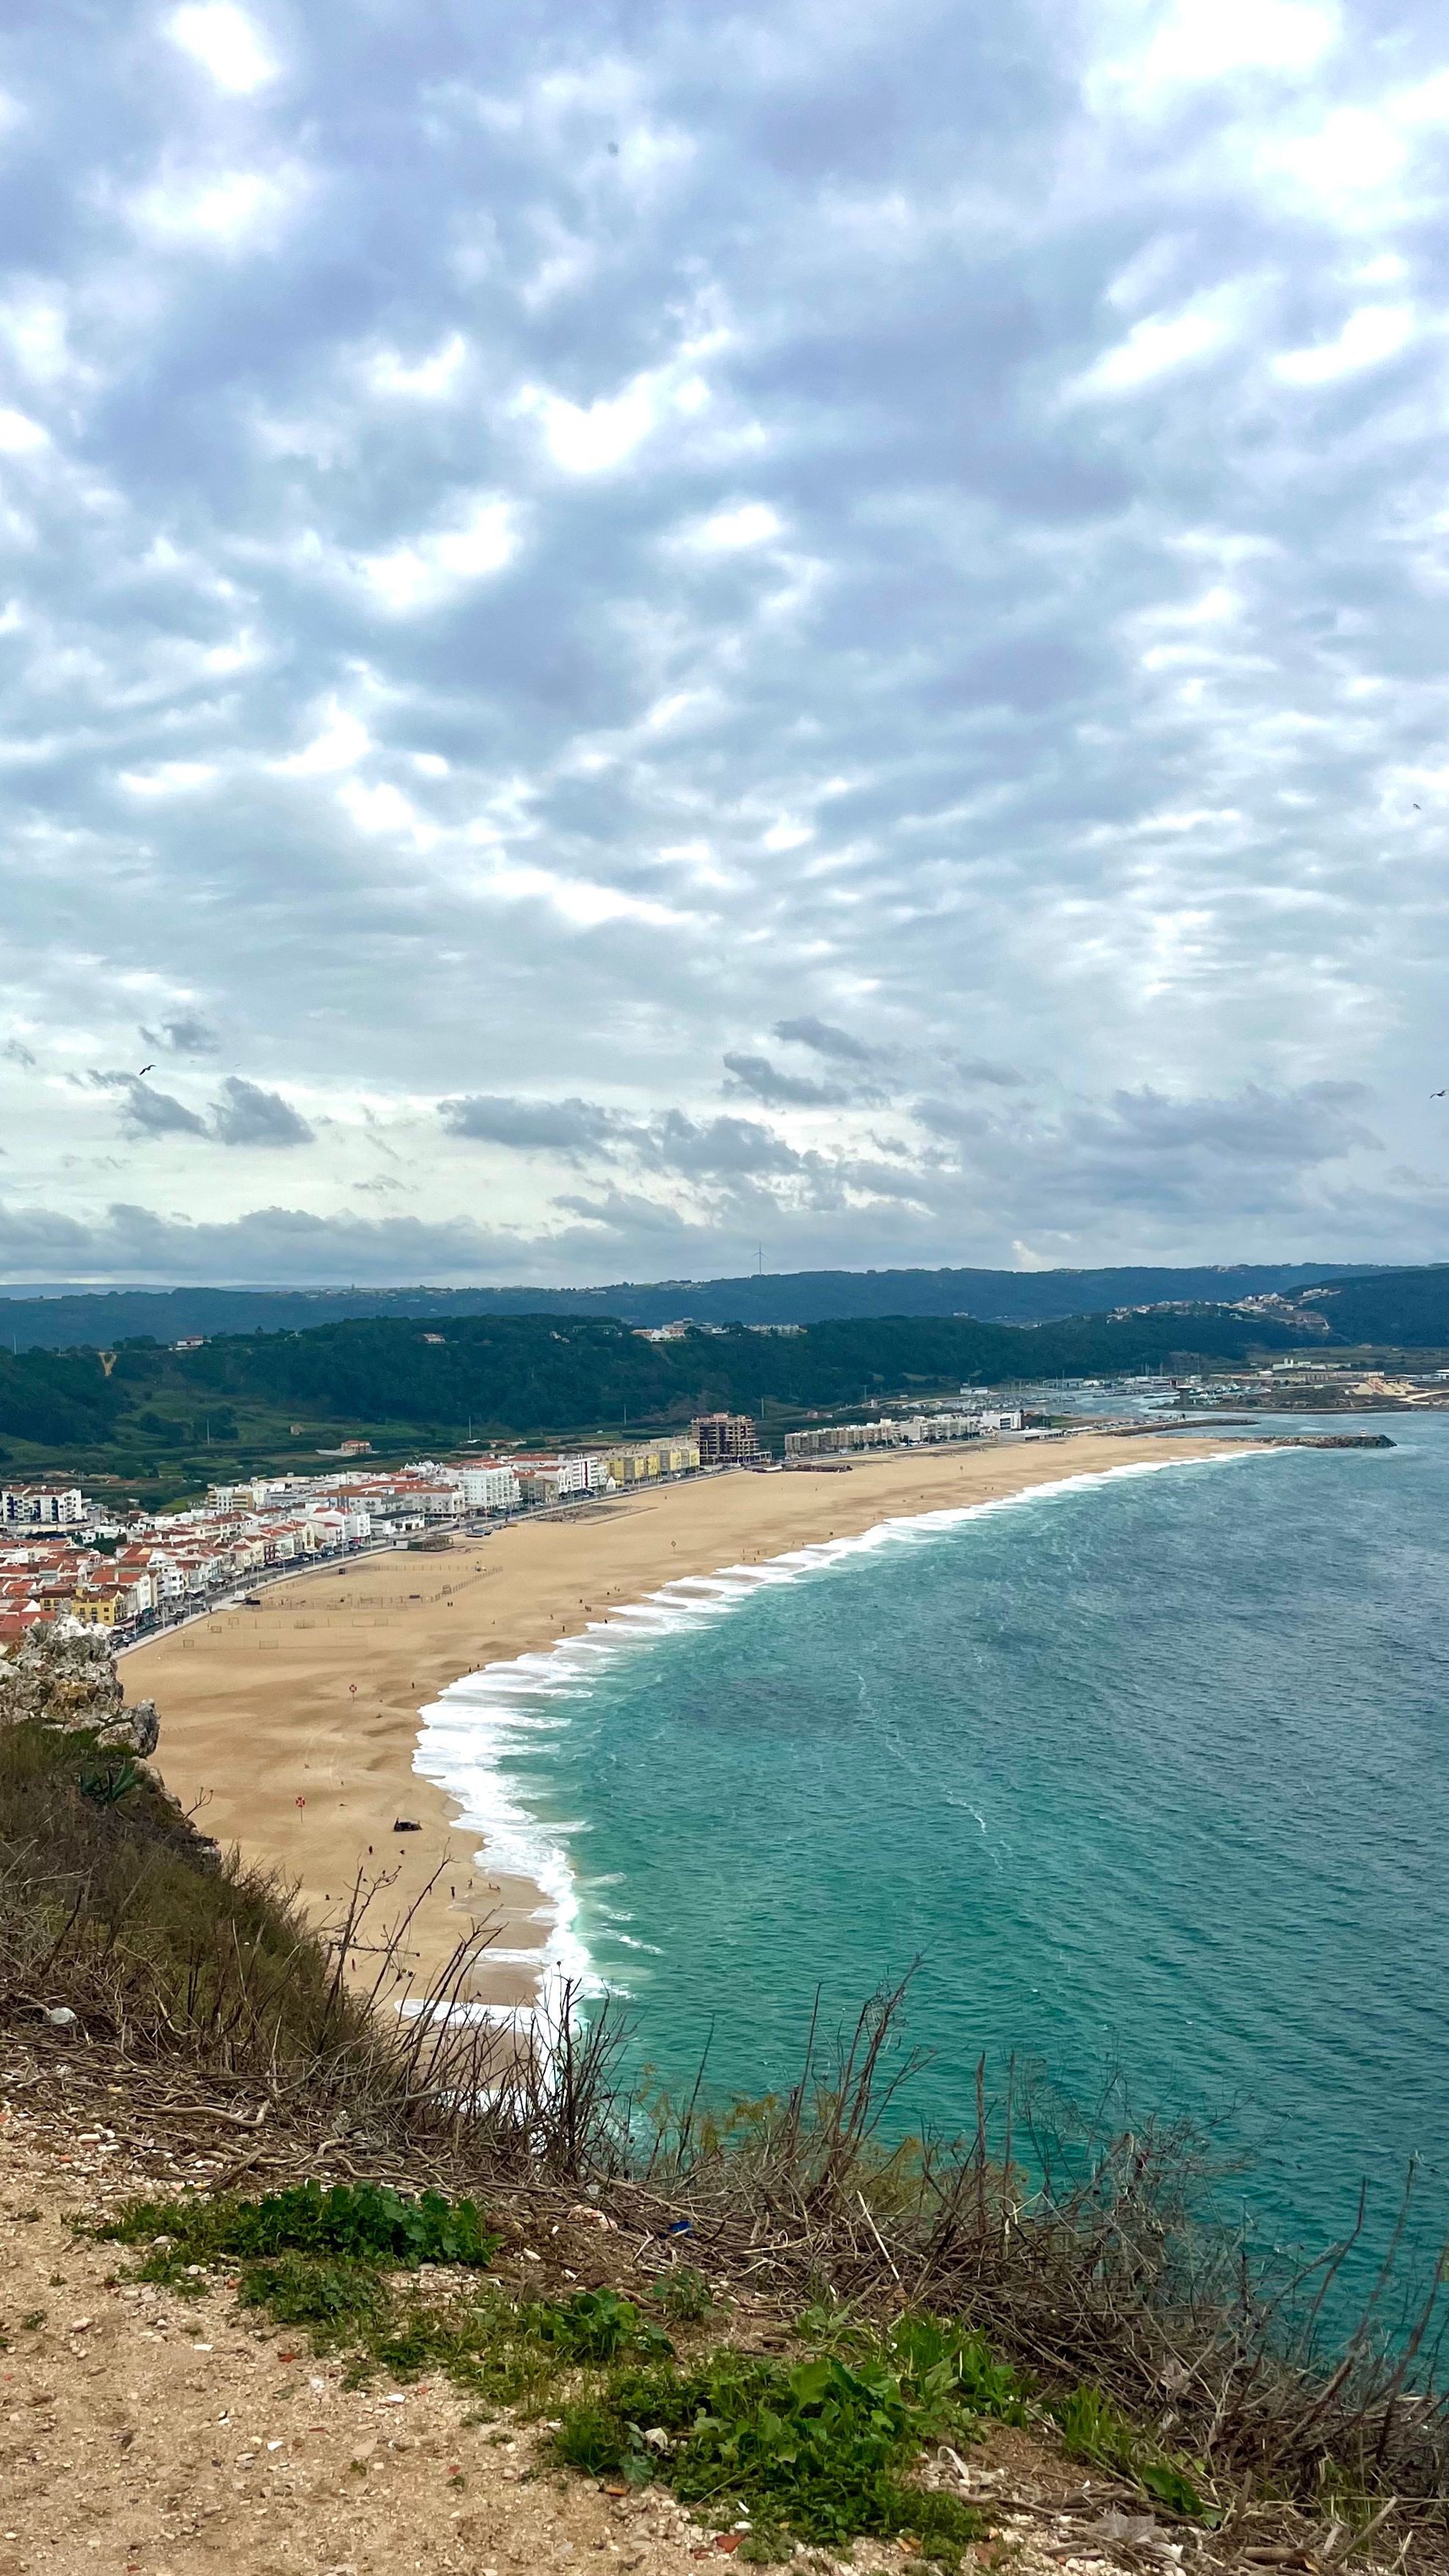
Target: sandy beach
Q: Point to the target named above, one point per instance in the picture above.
(293, 1726)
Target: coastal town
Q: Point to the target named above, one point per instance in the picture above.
(66, 1559)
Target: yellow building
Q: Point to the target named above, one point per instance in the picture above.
(678, 1457)
(99, 1609)
(640, 1465)
(631, 1466)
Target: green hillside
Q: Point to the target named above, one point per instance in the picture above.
(98, 1318)
(521, 1373)
(148, 1415)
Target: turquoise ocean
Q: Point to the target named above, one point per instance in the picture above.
(1149, 1773)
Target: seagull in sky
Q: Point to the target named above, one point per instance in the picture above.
(1436, 1095)
(145, 1069)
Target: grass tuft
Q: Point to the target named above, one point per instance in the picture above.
(1092, 2428)
(684, 2296)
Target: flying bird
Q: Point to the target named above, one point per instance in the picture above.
(145, 1069)
(1436, 1095)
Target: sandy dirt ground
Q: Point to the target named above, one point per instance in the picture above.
(143, 2435)
(292, 1727)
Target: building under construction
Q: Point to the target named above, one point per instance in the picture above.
(725, 1439)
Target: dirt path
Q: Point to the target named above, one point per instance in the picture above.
(144, 2435)
(152, 2436)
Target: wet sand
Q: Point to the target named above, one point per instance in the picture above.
(292, 1727)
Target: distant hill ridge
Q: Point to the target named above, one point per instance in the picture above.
(95, 1318)
(443, 1372)
(526, 1374)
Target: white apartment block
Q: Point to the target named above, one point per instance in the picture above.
(491, 1488)
(916, 1431)
(41, 1507)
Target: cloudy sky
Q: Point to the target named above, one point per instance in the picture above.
(637, 638)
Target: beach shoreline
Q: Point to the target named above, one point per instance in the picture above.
(294, 1728)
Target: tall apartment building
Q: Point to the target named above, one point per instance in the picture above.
(38, 1506)
(489, 1488)
(725, 1438)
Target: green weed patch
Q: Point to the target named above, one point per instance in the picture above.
(325, 2260)
(684, 2296)
(506, 2353)
(818, 2450)
(337, 2302)
(1092, 2429)
(362, 2223)
(593, 2326)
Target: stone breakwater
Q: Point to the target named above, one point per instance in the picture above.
(1330, 1440)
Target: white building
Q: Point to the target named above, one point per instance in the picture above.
(915, 1430)
(555, 1479)
(41, 1506)
(340, 1525)
(489, 1488)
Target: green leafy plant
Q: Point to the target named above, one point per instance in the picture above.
(948, 2366)
(817, 2448)
(1169, 2486)
(364, 2222)
(107, 1783)
(594, 2326)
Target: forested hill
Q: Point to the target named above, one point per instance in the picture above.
(1399, 1309)
(530, 1374)
(97, 1319)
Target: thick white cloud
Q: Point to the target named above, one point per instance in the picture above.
(225, 41)
(698, 637)
(1195, 41)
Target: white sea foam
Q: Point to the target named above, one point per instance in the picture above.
(473, 1736)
